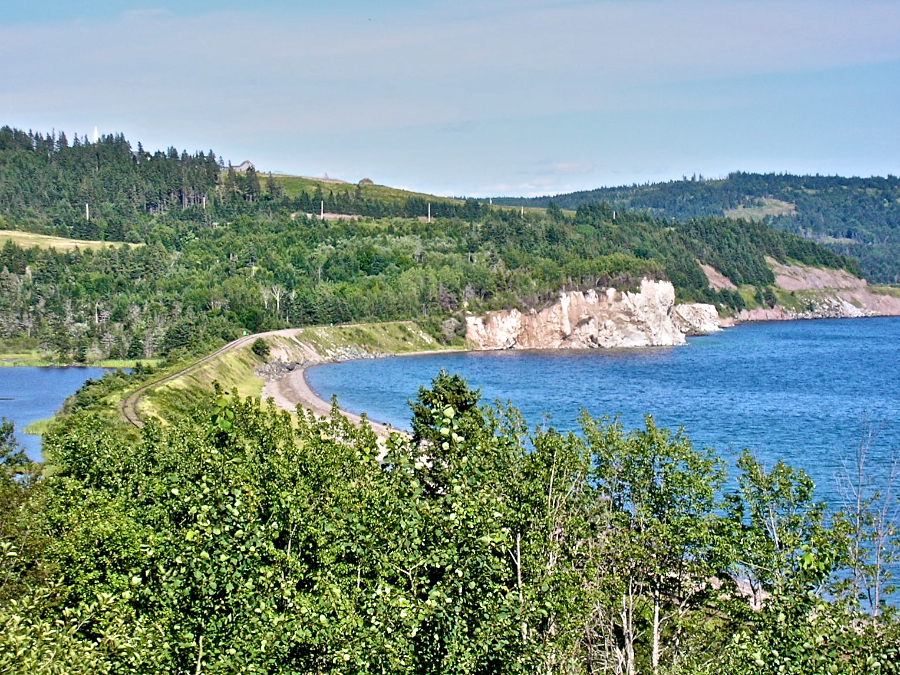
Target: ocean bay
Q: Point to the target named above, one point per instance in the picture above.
(29, 394)
(805, 392)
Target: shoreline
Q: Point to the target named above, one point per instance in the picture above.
(293, 389)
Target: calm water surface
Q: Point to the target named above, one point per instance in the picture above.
(799, 391)
(30, 394)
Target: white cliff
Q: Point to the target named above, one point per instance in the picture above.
(595, 318)
(697, 318)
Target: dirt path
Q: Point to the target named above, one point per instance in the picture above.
(130, 403)
(287, 392)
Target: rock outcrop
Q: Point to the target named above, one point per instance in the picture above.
(696, 318)
(822, 294)
(650, 318)
(595, 318)
(815, 293)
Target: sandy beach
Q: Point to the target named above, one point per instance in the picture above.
(292, 390)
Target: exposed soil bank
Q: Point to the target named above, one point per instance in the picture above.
(822, 294)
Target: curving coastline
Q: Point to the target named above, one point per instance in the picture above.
(602, 318)
(292, 390)
(292, 352)
(608, 319)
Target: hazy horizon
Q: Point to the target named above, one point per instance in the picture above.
(496, 98)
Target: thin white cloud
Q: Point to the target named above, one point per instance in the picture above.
(566, 168)
(278, 70)
(272, 80)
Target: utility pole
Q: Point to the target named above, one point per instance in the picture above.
(87, 212)
(322, 210)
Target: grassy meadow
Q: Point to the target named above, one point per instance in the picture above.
(29, 239)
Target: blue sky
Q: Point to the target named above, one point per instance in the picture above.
(472, 98)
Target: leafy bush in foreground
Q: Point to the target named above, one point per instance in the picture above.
(236, 541)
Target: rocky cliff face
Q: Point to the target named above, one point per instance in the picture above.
(697, 319)
(616, 319)
(822, 294)
(596, 318)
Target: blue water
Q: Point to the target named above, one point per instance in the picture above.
(30, 394)
(800, 391)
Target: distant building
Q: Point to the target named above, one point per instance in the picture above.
(245, 166)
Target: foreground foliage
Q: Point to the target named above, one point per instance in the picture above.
(235, 540)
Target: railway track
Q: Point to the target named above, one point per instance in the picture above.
(129, 405)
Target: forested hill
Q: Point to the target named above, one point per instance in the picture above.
(236, 538)
(109, 190)
(224, 252)
(95, 190)
(853, 216)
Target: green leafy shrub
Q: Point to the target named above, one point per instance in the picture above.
(260, 347)
(237, 539)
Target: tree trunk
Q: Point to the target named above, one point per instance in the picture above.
(628, 629)
(654, 658)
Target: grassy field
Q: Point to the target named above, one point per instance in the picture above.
(294, 185)
(24, 351)
(36, 357)
(766, 207)
(20, 358)
(29, 239)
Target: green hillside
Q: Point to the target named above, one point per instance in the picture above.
(226, 252)
(859, 217)
(294, 186)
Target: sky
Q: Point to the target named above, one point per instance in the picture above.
(477, 98)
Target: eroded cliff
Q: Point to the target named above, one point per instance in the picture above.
(821, 294)
(596, 318)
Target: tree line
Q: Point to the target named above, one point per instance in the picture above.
(224, 252)
(95, 190)
(854, 216)
(201, 284)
